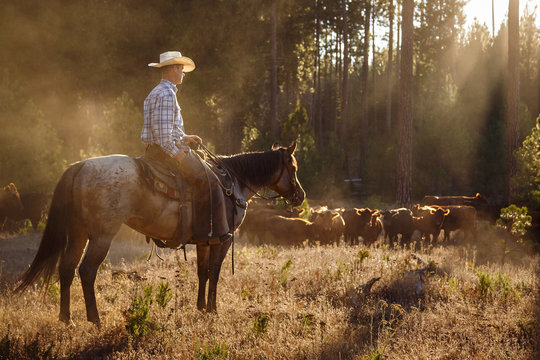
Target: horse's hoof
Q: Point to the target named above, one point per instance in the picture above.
(65, 319)
(96, 322)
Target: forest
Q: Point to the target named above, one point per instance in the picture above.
(397, 97)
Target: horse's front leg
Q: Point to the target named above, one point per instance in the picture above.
(217, 254)
(203, 261)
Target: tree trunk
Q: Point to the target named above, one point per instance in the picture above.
(316, 60)
(512, 127)
(273, 72)
(373, 70)
(345, 77)
(389, 68)
(336, 84)
(365, 73)
(404, 166)
(398, 45)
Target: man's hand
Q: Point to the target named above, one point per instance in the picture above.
(192, 139)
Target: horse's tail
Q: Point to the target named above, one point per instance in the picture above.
(55, 236)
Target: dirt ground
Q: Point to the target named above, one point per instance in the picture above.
(18, 251)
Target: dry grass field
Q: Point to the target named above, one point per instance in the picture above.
(439, 302)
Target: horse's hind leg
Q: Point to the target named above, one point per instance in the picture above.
(217, 254)
(203, 260)
(66, 269)
(97, 250)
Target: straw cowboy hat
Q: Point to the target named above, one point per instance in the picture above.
(172, 58)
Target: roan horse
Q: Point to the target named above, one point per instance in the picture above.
(96, 196)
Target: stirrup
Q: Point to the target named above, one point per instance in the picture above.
(225, 237)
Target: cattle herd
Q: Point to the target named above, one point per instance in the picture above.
(432, 216)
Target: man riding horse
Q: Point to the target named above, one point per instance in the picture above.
(94, 197)
(166, 141)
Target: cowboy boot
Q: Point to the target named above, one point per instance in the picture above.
(220, 221)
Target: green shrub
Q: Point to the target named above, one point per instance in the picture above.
(515, 220)
(362, 255)
(498, 285)
(52, 289)
(260, 324)
(307, 319)
(485, 284)
(216, 352)
(138, 313)
(375, 356)
(526, 182)
(164, 294)
(284, 273)
(503, 285)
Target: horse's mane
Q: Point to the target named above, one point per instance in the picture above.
(255, 167)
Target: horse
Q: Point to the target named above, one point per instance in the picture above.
(94, 197)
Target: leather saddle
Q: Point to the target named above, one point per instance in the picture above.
(161, 176)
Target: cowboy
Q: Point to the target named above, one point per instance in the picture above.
(164, 136)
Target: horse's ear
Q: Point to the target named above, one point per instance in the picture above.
(275, 146)
(292, 148)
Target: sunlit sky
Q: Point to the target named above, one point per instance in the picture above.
(481, 9)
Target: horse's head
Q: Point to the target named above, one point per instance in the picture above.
(287, 184)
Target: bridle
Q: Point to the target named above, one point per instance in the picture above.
(292, 180)
(229, 171)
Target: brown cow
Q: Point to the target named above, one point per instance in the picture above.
(360, 222)
(459, 217)
(10, 202)
(329, 227)
(34, 204)
(371, 231)
(429, 220)
(255, 222)
(484, 210)
(353, 224)
(280, 230)
(397, 221)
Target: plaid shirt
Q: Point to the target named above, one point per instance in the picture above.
(163, 124)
